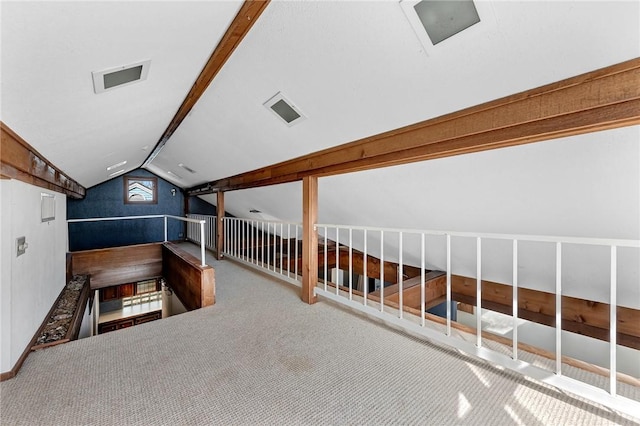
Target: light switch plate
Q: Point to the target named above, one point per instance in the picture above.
(21, 246)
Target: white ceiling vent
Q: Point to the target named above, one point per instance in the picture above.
(284, 109)
(436, 21)
(120, 76)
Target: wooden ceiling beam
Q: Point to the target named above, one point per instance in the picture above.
(19, 160)
(239, 27)
(603, 99)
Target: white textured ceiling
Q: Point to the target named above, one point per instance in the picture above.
(354, 68)
(50, 49)
(358, 69)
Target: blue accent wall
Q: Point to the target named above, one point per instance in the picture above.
(199, 206)
(107, 200)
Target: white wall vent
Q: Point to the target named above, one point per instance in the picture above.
(284, 109)
(113, 78)
(47, 207)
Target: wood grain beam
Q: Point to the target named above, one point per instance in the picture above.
(309, 238)
(220, 225)
(373, 264)
(239, 27)
(19, 160)
(580, 316)
(435, 290)
(118, 265)
(603, 99)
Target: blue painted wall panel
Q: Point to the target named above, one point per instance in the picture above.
(199, 206)
(107, 200)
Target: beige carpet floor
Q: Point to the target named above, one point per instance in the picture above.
(261, 356)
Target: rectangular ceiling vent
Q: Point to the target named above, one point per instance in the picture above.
(284, 109)
(113, 78)
(435, 21)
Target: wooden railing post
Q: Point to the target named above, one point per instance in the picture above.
(220, 224)
(309, 238)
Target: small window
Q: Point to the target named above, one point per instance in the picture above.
(140, 190)
(146, 286)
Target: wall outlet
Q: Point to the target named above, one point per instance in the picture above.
(181, 235)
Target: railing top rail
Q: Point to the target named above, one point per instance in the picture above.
(98, 219)
(520, 237)
(186, 219)
(152, 216)
(243, 219)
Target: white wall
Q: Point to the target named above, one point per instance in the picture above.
(30, 283)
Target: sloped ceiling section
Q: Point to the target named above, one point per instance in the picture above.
(50, 49)
(356, 69)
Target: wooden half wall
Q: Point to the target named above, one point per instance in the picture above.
(118, 265)
(193, 283)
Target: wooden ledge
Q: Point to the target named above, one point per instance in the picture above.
(43, 337)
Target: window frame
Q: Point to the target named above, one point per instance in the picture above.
(128, 180)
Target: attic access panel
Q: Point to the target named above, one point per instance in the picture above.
(125, 75)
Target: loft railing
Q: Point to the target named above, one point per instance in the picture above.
(210, 232)
(272, 246)
(463, 253)
(276, 247)
(165, 222)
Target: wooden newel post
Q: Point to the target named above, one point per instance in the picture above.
(220, 224)
(309, 238)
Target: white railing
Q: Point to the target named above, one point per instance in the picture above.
(210, 230)
(272, 246)
(529, 261)
(165, 217)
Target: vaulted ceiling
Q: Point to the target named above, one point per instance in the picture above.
(355, 69)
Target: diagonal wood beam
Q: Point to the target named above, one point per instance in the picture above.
(19, 160)
(603, 99)
(240, 26)
(580, 316)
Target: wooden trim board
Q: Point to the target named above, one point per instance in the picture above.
(118, 265)
(22, 162)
